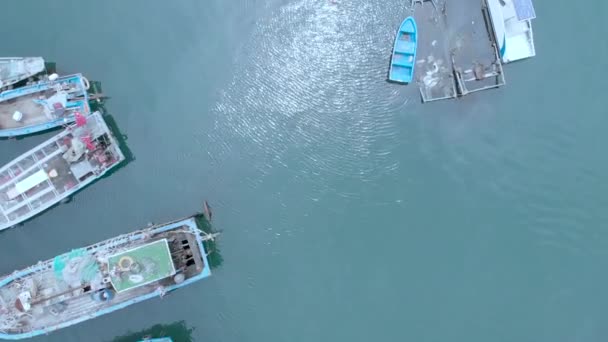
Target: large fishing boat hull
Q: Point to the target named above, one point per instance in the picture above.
(56, 169)
(16, 69)
(44, 105)
(102, 278)
(403, 60)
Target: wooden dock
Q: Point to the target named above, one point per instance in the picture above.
(457, 53)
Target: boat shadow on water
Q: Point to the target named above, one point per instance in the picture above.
(177, 331)
(213, 252)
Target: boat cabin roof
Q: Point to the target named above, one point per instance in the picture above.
(524, 9)
(141, 265)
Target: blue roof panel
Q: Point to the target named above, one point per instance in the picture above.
(524, 9)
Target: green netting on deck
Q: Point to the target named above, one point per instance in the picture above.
(76, 267)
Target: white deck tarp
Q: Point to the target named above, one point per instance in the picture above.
(31, 181)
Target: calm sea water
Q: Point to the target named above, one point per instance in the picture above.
(347, 213)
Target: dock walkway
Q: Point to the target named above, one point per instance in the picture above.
(456, 51)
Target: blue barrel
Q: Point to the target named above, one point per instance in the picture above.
(104, 295)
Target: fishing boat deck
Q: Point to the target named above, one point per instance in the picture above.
(33, 113)
(15, 69)
(55, 169)
(63, 290)
(456, 50)
(44, 102)
(433, 62)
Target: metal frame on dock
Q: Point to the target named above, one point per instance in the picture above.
(496, 72)
(448, 73)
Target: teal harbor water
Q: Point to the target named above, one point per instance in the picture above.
(347, 213)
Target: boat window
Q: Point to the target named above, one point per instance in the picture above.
(19, 212)
(37, 203)
(16, 170)
(39, 155)
(26, 163)
(50, 148)
(5, 177)
(11, 199)
(47, 198)
(86, 176)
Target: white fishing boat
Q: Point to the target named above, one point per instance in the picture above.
(56, 169)
(43, 105)
(512, 26)
(16, 69)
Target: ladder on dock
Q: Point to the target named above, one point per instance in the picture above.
(478, 73)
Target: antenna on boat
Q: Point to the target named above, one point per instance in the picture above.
(209, 236)
(207, 211)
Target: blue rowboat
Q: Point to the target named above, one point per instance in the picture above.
(403, 60)
(44, 105)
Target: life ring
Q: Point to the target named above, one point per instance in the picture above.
(87, 85)
(125, 263)
(104, 295)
